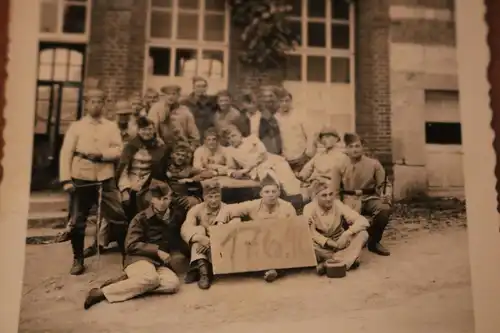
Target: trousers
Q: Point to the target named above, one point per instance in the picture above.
(348, 255)
(142, 277)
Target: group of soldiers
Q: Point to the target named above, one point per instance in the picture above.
(154, 173)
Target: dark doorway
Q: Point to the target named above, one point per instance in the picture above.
(58, 103)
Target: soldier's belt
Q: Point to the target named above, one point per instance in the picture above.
(370, 191)
(89, 158)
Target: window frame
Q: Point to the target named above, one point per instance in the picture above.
(199, 45)
(61, 36)
(327, 52)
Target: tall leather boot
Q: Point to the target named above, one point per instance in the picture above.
(77, 244)
(205, 280)
(375, 231)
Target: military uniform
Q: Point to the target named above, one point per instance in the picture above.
(91, 147)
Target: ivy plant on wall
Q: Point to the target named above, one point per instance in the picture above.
(266, 32)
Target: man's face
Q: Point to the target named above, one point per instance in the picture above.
(161, 204)
(329, 140)
(268, 97)
(234, 138)
(172, 97)
(325, 199)
(150, 98)
(213, 200)
(94, 106)
(211, 142)
(123, 118)
(286, 103)
(355, 149)
(146, 133)
(136, 104)
(179, 157)
(224, 102)
(200, 88)
(270, 194)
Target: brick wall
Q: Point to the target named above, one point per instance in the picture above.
(373, 108)
(116, 46)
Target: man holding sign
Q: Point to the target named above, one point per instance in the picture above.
(195, 232)
(269, 207)
(331, 241)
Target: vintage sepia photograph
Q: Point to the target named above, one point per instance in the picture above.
(206, 165)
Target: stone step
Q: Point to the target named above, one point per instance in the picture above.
(48, 219)
(48, 202)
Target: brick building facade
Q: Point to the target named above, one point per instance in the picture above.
(352, 57)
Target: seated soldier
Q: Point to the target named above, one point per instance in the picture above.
(255, 162)
(364, 183)
(183, 178)
(142, 159)
(195, 232)
(331, 241)
(327, 162)
(147, 260)
(212, 155)
(269, 207)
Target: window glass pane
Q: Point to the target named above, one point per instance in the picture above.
(316, 69)
(71, 94)
(161, 24)
(162, 3)
(340, 10)
(60, 72)
(75, 73)
(62, 56)
(293, 70)
(443, 133)
(75, 58)
(296, 7)
(44, 72)
(189, 4)
(69, 113)
(214, 28)
(74, 19)
(316, 35)
(212, 64)
(340, 36)
(48, 16)
(42, 109)
(46, 56)
(187, 27)
(316, 8)
(340, 70)
(296, 27)
(159, 61)
(215, 5)
(185, 62)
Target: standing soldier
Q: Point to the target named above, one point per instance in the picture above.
(201, 105)
(136, 103)
(91, 147)
(174, 122)
(269, 130)
(150, 98)
(126, 120)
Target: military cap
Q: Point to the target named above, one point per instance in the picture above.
(151, 91)
(320, 184)
(159, 189)
(268, 180)
(143, 122)
(199, 78)
(97, 93)
(170, 88)
(212, 131)
(123, 107)
(350, 138)
(328, 130)
(211, 186)
(182, 146)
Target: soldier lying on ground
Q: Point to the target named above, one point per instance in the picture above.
(148, 248)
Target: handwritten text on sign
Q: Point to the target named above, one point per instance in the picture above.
(260, 245)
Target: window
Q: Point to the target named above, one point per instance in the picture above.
(188, 38)
(440, 133)
(325, 50)
(60, 64)
(64, 18)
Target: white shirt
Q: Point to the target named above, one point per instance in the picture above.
(296, 140)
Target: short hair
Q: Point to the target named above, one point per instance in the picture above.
(212, 131)
(248, 96)
(211, 186)
(151, 91)
(89, 93)
(350, 138)
(285, 93)
(158, 188)
(223, 93)
(268, 180)
(143, 122)
(198, 78)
